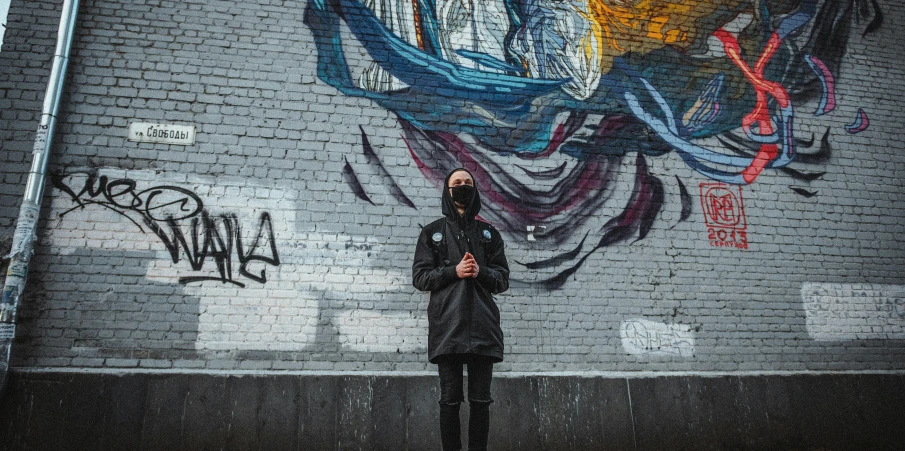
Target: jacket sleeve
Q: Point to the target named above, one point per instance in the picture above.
(426, 274)
(494, 274)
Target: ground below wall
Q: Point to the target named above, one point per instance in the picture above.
(84, 411)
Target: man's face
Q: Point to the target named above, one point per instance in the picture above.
(460, 178)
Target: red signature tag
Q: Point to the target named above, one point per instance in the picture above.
(724, 215)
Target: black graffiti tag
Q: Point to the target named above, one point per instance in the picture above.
(178, 218)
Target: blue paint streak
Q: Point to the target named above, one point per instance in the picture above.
(789, 24)
(821, 108)
(489, 61)
(705, 115)
(432, 74)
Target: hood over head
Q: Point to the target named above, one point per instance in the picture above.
(449, 206)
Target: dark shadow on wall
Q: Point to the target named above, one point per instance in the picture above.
(95, 307)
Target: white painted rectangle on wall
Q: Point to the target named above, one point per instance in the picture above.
(844, 312)
(645, 337)
(183, 135)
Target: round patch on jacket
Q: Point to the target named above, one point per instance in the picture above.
(437, 237)
(486, 234)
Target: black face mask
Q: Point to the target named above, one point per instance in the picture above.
(462, 194)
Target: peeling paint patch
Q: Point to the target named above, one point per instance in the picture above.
(844, 312)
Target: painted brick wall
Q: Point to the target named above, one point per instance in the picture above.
(282, 238)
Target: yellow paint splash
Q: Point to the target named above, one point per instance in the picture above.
(641, 26)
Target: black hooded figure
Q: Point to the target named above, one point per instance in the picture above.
(460, 260)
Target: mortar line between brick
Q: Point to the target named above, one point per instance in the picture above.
(513, 374)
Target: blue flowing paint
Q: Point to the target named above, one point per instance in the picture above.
(490, 62)
(828, 99)
(477, 102)
(709, 108)
(695, 155)
(437, 76)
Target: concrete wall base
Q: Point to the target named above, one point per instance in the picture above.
(89, 411)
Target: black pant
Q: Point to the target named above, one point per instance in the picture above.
(480, 372)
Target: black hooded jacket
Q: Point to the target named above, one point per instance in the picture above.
(462, 315)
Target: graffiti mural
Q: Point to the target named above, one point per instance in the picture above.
(543, 100)
(179, 219)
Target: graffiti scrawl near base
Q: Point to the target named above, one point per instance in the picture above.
(644, 337)
(178, 218)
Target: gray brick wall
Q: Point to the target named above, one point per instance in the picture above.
(327, 285)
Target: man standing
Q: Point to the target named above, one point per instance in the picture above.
(460, 260)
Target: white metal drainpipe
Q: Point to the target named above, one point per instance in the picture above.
(24, 237)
